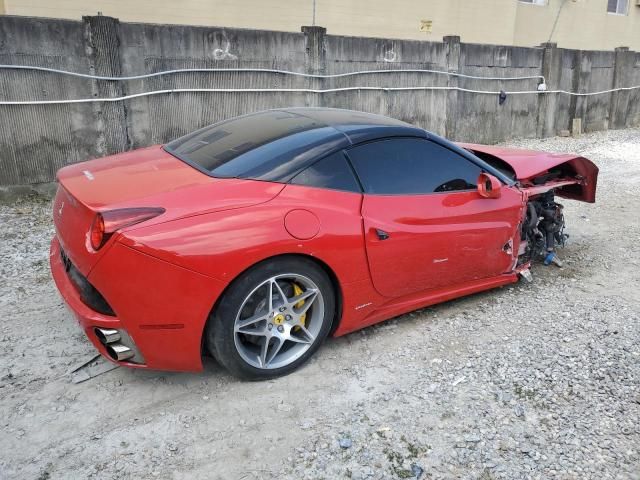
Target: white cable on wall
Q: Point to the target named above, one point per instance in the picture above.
(302, 90)
(262, 70)
(541, 87)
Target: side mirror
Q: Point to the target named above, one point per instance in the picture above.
(489, 186)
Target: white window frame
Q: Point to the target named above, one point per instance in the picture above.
(625, 3)
(539, 3)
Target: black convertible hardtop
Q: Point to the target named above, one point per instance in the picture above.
(275, 145)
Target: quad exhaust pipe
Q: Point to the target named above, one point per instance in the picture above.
(111, 338)
(119, 352)
(107, 335)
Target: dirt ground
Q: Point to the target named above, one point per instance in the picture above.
(535, 381)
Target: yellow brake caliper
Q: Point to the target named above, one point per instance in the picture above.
(303, 318)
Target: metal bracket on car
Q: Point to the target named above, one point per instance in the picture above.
(91, 368)
(526, 275)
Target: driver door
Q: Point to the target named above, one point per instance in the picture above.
(425, 225)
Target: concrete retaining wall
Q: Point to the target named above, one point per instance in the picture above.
(36, 140)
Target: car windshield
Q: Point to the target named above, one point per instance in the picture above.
(265, 146)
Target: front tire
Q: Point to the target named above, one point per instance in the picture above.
(272, 318)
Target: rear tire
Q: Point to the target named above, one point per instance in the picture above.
(272, 318)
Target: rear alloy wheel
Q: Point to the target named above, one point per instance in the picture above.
(272, 319)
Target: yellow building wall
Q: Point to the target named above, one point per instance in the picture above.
(287, 15)
(493, 23)
(581, 24)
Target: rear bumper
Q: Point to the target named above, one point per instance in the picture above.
(163, 308)
(87, 318)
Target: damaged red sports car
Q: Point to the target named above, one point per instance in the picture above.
(255, 238)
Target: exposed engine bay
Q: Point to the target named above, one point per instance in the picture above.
(543, 230)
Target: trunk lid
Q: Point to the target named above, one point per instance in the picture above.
(148, 177)
(129, 176)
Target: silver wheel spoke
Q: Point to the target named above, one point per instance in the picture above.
(269, 349)
(302, 335)
(243, 324)
(270, 298)
(258, 332)
(279, 291)
(264, 349)
(308, 297)
(275, 348)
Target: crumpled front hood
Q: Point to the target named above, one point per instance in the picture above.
(529, 164)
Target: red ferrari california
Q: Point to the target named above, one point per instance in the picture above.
(255, 238)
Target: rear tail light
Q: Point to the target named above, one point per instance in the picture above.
(110, 221)
(97, 235)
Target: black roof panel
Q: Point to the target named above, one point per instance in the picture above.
(274, 145)
(338, 116)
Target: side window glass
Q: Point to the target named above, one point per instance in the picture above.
(331, 172)
(405, 166)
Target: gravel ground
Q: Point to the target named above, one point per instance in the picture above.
(532, 381)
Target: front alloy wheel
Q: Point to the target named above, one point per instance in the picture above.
(272, 319)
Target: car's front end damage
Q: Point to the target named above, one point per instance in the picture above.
(542, 177)
(542, 230)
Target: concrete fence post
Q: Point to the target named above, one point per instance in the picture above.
(452, 47)
(622, 77)
(551, 71)
(316, 50)
(580, 84)
(315, 60)
(102, 43)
